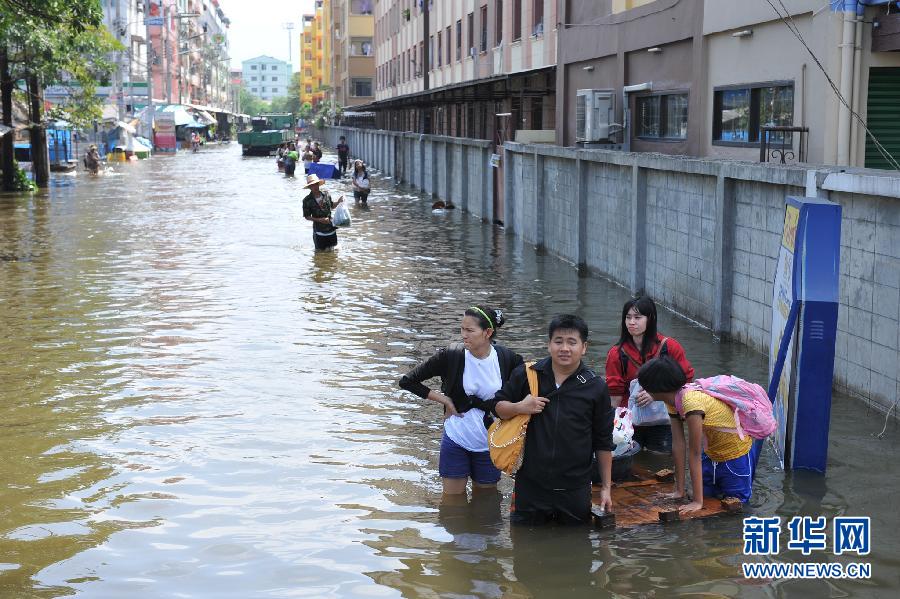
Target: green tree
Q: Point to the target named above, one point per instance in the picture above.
(251, 104)
(50, 41)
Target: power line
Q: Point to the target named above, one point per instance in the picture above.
(789, 22)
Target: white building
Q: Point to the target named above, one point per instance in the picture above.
(266, 77)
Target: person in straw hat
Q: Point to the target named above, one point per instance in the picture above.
(317, 208)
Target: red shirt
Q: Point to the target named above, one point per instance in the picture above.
(619, 383)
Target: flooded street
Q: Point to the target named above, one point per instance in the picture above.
(195, 404)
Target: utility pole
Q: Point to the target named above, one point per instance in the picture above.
(150, 110)
(426, 63)
(166, 23)
(119, 87)
(289, 26)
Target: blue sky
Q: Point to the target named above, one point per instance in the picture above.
(257, 28)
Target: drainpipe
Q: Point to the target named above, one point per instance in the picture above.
(848, 42)
(626, 110)
(857, 87)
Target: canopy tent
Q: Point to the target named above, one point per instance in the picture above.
(195, 125)
(182, 116)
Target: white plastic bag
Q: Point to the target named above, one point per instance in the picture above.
(655, 414)
(623, 430)
(341, 216)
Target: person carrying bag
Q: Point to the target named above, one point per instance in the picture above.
(506, 438)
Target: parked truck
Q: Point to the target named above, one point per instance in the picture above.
(266, 133)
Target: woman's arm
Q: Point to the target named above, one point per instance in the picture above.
(678, 455)
(695, 447)
(614, 381)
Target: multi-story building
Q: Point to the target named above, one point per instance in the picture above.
(266, 77)
(187, 49)
(311, 41)
(714, 77)
(353, 54)
(474, 68)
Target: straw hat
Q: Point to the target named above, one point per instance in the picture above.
(312, 179)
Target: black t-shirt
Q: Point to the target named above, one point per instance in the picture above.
(312, 209)
(317, 152)
(343, 149)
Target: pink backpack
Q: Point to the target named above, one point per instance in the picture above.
(753, 412)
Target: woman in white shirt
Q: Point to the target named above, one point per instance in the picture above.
(471, 373)
(361, 183)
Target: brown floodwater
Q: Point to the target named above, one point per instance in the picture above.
(195, 404)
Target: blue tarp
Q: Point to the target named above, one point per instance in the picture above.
(324, 170)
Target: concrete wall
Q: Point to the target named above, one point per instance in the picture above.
(448, 168)
(701, 236)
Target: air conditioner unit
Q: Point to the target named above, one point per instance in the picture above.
(594, 112)
(473, 51)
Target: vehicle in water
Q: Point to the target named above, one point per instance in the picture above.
(267, 132)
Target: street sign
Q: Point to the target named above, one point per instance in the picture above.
(153, 21)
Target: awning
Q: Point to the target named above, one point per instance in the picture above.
(126, 127)
(182, 116)
(196, 125)
(204, 116)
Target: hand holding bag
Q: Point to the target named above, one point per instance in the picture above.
(506, 438)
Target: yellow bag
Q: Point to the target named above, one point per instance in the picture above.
(506, 438)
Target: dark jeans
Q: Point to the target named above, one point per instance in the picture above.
(342, 162)
(534, 505)
(323, 242)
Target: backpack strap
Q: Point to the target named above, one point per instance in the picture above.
(663, 348)
(623, 360)
(532, 377)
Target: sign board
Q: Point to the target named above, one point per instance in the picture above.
(153, 21)
(804, 329)
(165, 132)
(495, 161)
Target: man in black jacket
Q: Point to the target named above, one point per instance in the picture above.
(572, 419)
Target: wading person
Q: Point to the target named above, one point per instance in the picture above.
(317, 152)
(343, 151)
(571, 423)
(290, 160)
(638, 343)
(92, 160)
(721, 463)
(361, 185)
(470, 373)
(317, 207)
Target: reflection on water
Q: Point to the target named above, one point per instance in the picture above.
(195, 403)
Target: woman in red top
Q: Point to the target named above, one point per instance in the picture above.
(639, 343)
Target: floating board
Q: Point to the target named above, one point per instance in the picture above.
(644, 501)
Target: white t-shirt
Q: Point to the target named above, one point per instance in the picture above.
(482, 379)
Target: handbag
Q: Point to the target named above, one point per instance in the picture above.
(506, 438)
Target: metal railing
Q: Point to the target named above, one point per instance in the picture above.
(776, 144)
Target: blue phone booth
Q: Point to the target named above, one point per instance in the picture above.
(804, 329)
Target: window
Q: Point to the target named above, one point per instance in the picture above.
(517, 20)
(361, 46)
(498, 22)
(252, 67)
(360, 7)
(262, 67)
(431, 53)
(662, 116)
(308, 72)
(458, 40)
(449, 44)
(484, 28)
(309, 89)
(538, 18)
(361, 87)
(274, 78)
(262, 78)
(470, 32)
(254, 90)
(739, 112)
(253, 78)
(262, 89)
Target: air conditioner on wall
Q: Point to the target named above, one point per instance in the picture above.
(594, 112)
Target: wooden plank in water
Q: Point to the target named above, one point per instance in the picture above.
(644, 501)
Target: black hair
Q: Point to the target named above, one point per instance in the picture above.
(365, 172)
(568, 322)
(645, 306)
(661, 375)
(497, 318)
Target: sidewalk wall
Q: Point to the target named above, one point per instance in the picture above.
(700, 236)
